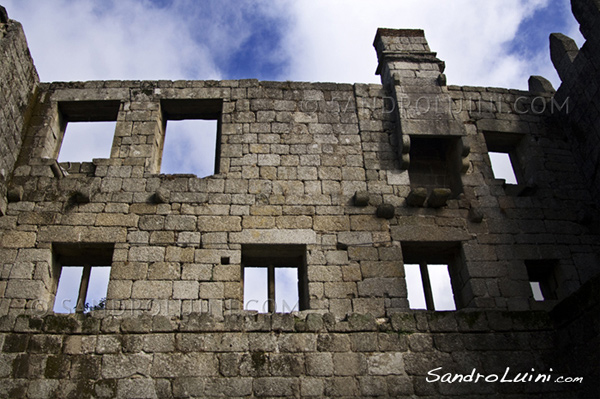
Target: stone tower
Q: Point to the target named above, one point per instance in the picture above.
(366, 193)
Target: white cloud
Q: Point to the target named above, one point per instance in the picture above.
(323, 40)
(332, 41)
(88, 40)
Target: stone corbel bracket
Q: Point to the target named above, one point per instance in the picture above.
(465, 150)
(404, 151)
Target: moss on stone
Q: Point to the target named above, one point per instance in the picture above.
(259, 359)
(60, 323)
(106, 388)
(57, 367)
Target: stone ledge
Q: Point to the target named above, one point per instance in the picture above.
(405, 322)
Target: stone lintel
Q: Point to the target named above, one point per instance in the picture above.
(274, 236)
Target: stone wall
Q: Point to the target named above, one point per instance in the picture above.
(578, 336)
(279, 356)
(354, 181)
(292, 177)
(18, 81)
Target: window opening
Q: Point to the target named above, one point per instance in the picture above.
(81, 288)
(536, 289)
(434, 163)
(431, 272)
(274, 278)
(67, 292)
(286, 289)
(429, 287)
(83, 274)
(256, 289)
(542, 278)
(192, 136)
(84, 141)
(502, 167)
(504, 150)
(88, 129)
(414, 286)
(190, 147)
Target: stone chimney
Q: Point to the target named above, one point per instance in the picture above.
(405, 58)
(413, 75)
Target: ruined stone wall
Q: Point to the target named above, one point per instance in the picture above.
(292, 182)
(359, 179)
(18, 80)
(275, 356)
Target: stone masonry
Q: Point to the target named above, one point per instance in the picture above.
(354, 181)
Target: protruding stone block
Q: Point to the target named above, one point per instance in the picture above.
(161, 196)
(439, 197)
(563, 51)
(361, 198)
(82, 195)
(15, 194)
(417, 196)
(385, 211)
(3, 15)
(539, 84)
(442, 81)
(475, 215)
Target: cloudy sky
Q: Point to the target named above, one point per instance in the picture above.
(484, 43)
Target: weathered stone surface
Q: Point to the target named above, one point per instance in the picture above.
(385, 211)
(361, 198)
(313, 177)
(439, 197)
(417, 197)
(273, 236)
(539, 84)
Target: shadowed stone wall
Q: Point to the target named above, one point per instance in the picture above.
(578, 70)
(18, 81)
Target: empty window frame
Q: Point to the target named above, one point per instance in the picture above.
(274, 278)
(192, 137)
(83, 273)
(542, 278)
(435, 163)
(88, 129)
(503, 150)
(430, 275)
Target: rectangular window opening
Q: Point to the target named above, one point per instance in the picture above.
(190, 147)
(434, 163)
(192, 137)
(274, 278)
(83, 275)
(429, 287)
(502, 167)
(542, 278)
(428, 270)
(536, 289)
(84, 141)
(414, 286)
(503, 150)
(88, 129)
